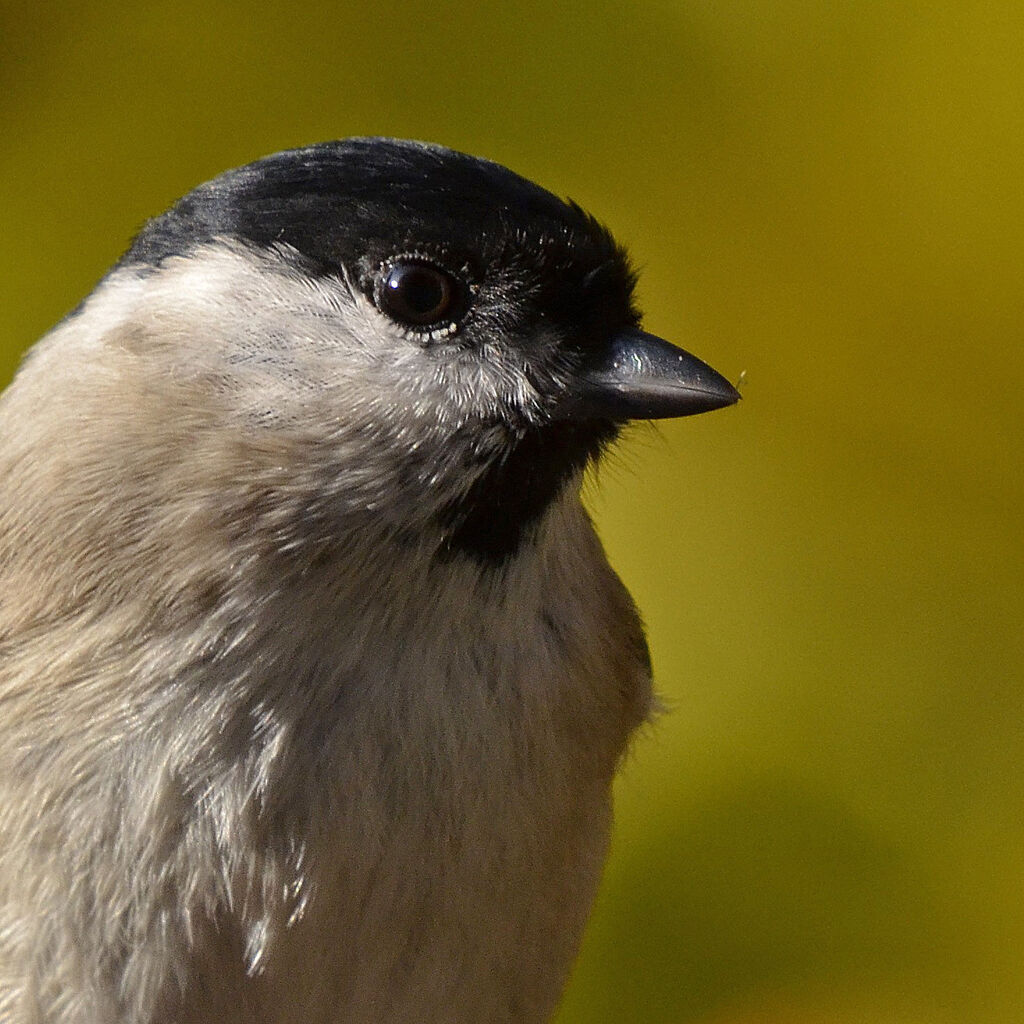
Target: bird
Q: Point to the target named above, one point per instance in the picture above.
(314, 674)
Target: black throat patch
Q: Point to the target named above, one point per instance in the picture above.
(504, 504)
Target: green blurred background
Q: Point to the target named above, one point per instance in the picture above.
(827, 827)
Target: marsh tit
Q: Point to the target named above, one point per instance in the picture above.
(313, 673)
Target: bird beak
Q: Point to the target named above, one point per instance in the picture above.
(642, 377)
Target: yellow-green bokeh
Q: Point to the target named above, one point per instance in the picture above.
(827, 825)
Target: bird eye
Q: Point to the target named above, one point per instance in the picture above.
(418, 294)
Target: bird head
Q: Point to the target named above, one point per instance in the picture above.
(447, 343)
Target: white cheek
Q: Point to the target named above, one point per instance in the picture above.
(268, 341)
(277, 347)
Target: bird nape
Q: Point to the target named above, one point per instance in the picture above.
(315, 675)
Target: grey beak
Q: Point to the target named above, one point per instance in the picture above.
(642, 377)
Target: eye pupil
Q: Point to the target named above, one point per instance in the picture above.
(418, 294)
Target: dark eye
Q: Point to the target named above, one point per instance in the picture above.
(418, 294)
